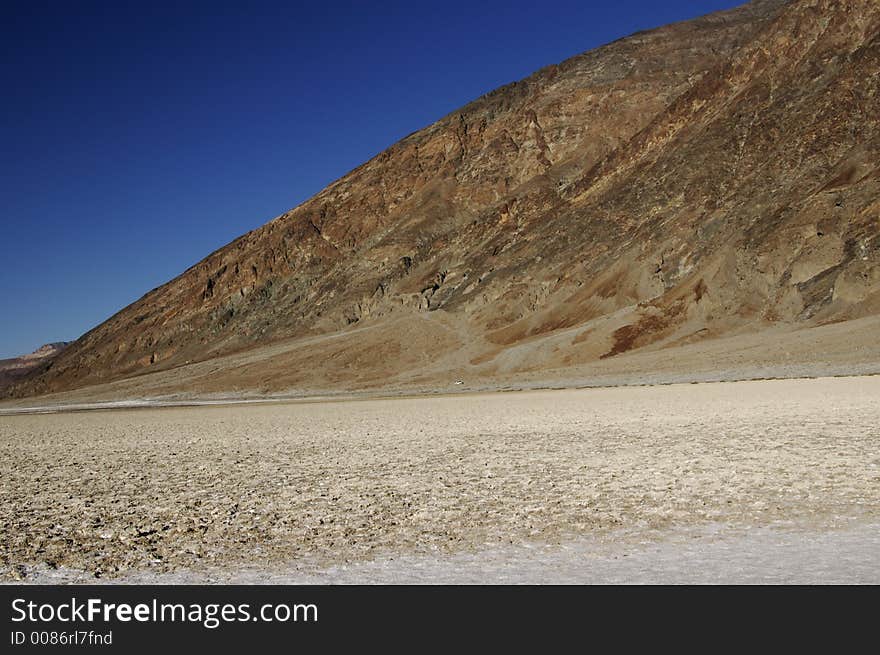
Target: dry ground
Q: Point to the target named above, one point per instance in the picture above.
(312, 484)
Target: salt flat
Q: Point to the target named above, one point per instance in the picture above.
(290, 491)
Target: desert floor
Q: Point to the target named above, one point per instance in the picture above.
(730, 481)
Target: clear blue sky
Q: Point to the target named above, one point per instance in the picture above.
(139, 137)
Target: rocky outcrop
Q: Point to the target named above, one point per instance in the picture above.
(701, 179)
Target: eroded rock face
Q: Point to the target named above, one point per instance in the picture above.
(706, 177)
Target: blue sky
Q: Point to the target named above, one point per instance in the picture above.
(139, 137)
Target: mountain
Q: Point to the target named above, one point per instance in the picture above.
(12, 370)
(709, 184)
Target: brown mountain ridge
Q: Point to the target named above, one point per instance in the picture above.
(689, 192)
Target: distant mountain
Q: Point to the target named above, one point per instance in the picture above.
(12, 370)
(710, 178)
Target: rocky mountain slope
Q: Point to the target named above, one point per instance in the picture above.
(704, 180)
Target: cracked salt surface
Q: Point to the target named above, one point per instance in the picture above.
(764, 555)
(715, 554)
(288, 491)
